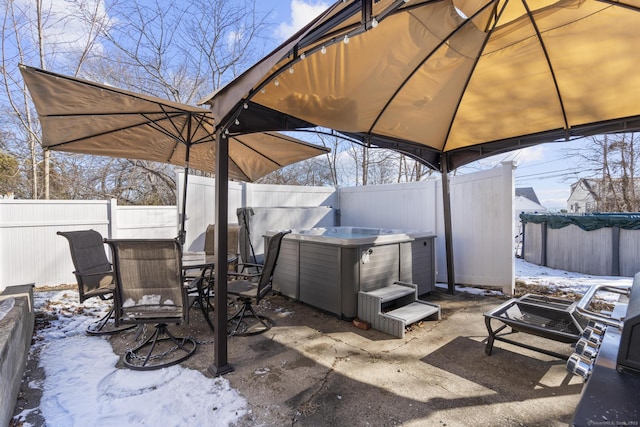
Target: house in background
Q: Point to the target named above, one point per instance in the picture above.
(526, 201)
(583, 197)
(604, 195)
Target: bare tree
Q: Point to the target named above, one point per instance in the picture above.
(38, 33)
(181, 51)
(612, 161)
(410, 170)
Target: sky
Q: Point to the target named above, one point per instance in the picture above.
(547, 168)
(83, 387)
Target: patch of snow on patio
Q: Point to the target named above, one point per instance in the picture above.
(83, 387)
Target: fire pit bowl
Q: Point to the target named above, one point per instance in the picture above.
(547, 317)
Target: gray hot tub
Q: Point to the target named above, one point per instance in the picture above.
(327, 267)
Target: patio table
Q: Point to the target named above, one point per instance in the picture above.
(205, 264)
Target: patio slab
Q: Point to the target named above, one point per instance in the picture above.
(313, 369)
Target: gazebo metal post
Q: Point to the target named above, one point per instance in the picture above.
(448, 236)
(221, 365)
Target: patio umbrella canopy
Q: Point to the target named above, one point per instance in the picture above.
(465, 78)
(80, 116)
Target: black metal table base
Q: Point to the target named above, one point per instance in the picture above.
(494, 336)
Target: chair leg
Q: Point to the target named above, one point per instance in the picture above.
(106, 325)
(160, 350)
(246, 311)
(206, 307)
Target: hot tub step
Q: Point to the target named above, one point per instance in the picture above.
(414, 312)
(391, 292)
(408, 309)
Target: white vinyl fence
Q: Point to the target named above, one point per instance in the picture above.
(482, 220)
(482, 213)
(32, 252)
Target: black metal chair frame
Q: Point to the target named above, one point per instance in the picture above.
(247, 290)
(94, 274)
(552, 318)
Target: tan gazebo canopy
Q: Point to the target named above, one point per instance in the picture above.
(468, 78)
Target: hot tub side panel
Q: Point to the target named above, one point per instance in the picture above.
(320, 276)
(379, 266)
(287, 273)
(417, 263)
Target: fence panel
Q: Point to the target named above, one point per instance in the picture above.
(482, 223)
(608, 251)
(407, 206)
(267, 196)
(145, 222)
(571, 248)
(30, 249)
(532, 248)
(629, 252)
(201, 207)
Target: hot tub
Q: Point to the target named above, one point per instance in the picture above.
(327, 267)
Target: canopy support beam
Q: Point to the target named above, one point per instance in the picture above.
(221, 365)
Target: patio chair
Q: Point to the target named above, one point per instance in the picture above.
(207, 274)
(151, 290)
(232, 240)
(253, 287)
(94, 275)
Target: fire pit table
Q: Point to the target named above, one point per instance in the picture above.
(547, 317)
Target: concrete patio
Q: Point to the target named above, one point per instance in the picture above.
(313, 369)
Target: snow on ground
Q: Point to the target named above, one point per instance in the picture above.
(555, 281)
(560, 280)
(83, 387)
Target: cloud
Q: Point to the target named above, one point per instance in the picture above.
(554, 198)
(302, 12)
(531, 154)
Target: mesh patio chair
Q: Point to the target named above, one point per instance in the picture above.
(94, 275)
(232, 240)
(205, 292)
(250, 288)
(151, 290)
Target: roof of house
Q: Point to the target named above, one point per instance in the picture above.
(586, 184)
(529, 193)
